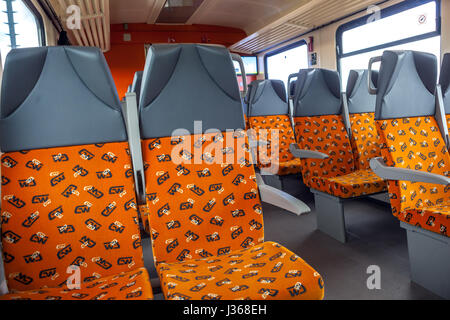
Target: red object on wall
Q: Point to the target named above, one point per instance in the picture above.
(125, 58)
(311, 44)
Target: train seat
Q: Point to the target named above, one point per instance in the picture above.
(416, 162)
(68, 200)
(205, 214)
(412, 139)
(268, 110)
(444, 81)
(320, 127)
(361, 109)
(332, 173)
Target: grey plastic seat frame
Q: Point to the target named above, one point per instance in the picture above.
(429, 252)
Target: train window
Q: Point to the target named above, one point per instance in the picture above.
(20, 26)
(412, 25)
(281, 63)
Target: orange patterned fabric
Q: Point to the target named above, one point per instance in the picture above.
(356, 184)
(69, 206)
(278, 144)
(267, 271)
(326, 134)
(416, 143)
(365, 139)
(132, 285)
(336, 175)
(206, 221)
(201, 208)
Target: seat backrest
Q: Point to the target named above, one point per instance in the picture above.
(67, 188)
(137, 83)
(361, 108)
(319, 124)
(268, 111)
(409, 130)
(444, 81)
(200, 204)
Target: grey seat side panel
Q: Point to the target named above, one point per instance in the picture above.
(359, 99)
(445, 81)
(61, 111)
(156, 75)
(27, 62)
(402, 90)
(180, 102)
(136, 86)
(268, 100)
(317, 93)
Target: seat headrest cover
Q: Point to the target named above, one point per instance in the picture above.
(359, 98)
(445, 81)
(268, 99)
(317, 93)
(56, 97)
(406, 85)
(137, 82)
(184, 83)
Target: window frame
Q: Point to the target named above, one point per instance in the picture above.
(386, 12)
(281, 50)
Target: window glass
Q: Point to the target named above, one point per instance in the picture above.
(361, 61)
(403, 25)
(281, 65)
(26, 27)
(401, 28)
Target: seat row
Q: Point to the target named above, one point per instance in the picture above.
(77, 164)
(341, 141)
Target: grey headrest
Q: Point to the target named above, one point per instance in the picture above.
(406, 85)
(317, 93)
(184, 83)
(358, 96)
(136, 86)
(268, 98)
(445, 81)
(56, 97)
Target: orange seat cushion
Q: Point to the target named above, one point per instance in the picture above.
(416, 143)
(356, 184)
(435, 218)
(133, 285)
(276, 157)
(68, 206)
(336, 175)
(365, 139)
(267, 271)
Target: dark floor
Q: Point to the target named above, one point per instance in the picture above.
(374, 238)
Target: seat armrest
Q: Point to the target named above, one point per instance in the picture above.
(306, 154)
(385, 172)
